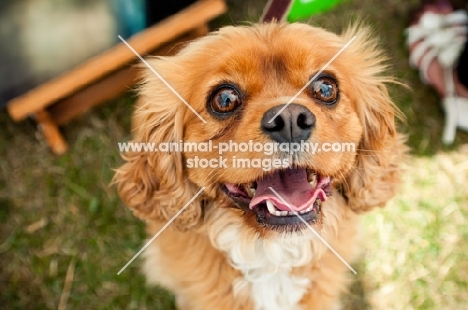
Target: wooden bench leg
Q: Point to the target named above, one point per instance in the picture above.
(51, 132)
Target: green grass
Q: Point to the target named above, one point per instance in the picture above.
(59, 216)
(59, 210)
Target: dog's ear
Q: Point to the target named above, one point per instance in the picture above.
(153, 184)
(376, 175)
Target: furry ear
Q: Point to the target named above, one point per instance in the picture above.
(376, 175)
(153, 184)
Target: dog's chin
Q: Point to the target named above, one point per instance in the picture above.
(283, 200)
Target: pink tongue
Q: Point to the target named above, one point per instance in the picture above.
(292, 186)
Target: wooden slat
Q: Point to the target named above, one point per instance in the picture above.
(112, 85)
(99, 92)
(42, 96)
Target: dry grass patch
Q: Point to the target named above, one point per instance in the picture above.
(416, 254)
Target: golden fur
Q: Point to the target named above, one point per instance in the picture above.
(194, 256)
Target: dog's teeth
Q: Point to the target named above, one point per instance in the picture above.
(271, 207)
(251, 191)
(312, 180)
(274, 211)
(307, 210)
(319, 202)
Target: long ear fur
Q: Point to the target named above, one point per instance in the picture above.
(153, 184)
(377, 173)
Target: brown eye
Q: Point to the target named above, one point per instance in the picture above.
(325, 89)
(225, 100)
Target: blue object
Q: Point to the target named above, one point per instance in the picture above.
(131, 16)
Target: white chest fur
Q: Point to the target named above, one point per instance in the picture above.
(276, 291)
(266, 265)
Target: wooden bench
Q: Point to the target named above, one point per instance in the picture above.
(108, 75)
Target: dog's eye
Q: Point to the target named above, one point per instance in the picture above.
(325, 89)
(225, 100)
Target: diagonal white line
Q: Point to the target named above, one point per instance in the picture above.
(162, 229)
(314, 231)
(313, 78)
(163, 80)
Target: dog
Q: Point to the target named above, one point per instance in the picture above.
(247, 241)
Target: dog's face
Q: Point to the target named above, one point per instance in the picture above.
(241, 90)
(264, 86)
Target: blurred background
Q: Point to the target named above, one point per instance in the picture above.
(64, 233)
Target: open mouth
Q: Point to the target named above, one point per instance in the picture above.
(280, 197)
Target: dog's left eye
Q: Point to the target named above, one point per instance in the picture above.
(225, 99)
(325, 89)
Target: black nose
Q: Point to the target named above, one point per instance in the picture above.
(293, 124)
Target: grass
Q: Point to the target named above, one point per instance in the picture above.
(58, 211)
(416, 247)
(64, 233)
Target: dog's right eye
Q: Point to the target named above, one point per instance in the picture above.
(225, 99)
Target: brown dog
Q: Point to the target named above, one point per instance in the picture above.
(240, 244)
